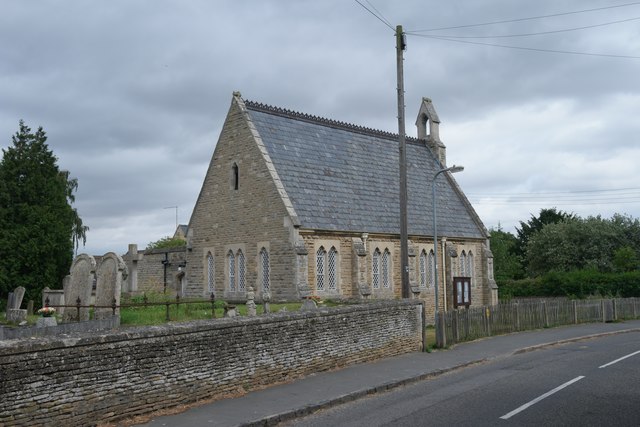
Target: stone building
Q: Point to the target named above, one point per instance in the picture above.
(294, 202)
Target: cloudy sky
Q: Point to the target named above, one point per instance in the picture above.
(133, 94)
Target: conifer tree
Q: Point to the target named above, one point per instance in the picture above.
(38, 226)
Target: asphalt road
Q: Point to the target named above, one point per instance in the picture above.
(588, 383)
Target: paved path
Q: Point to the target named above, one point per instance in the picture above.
(304, 396)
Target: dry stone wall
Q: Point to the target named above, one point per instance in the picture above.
(103, 378)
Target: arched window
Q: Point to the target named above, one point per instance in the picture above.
(332, 262)
(432, 268)
(210, 273)
(231, 259)
(386, 269)
(265, 270)
(375, 269)
(423, 268)
(320, 261)
(241, 271)
(470, 265)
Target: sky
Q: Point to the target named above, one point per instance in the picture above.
(539, 101)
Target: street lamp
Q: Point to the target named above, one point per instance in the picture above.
(452, 169)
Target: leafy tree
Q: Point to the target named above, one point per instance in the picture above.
(506, 263)
(577, 244)
(38, 227)
(625, 259)
(535, 224)
(167, 243)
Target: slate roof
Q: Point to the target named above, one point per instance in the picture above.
(346, 178)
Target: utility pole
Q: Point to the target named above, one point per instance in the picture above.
(401, 45)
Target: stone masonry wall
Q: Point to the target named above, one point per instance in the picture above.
(248, 218)
(84, 380)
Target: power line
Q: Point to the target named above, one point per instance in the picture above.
(564, 30)
(533, 49)
(524, 19)
(379, 17)
(609, 190)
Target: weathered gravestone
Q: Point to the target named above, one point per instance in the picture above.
(79, 287)
(110, 274)
(14, 313)
(251, 304)
(55, 297)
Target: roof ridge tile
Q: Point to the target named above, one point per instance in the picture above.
(266, 108)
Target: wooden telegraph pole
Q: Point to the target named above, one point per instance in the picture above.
(404, 238)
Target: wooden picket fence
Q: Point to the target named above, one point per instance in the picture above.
(479, 322)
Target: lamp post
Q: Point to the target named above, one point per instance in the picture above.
(452, 169)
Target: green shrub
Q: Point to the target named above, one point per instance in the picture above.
(573, 284)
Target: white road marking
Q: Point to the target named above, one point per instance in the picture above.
(538, 399)
(617, 360)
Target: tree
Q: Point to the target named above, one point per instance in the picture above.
(625, 259)
(167, 243)
(580, 244)
(535, 224)
(39, 227)
(506, 263)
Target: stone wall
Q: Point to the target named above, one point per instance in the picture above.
(77, 381)
(146, 270)
(248, 217)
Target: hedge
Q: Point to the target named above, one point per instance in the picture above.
(573, 284)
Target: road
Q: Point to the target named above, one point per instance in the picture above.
(588, 383)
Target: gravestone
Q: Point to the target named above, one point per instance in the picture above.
(251, 305)
(79, 286)
(10, 300)
(266, 302)
(14, 313)
(110, 274)
(55, 296)
(308, 304)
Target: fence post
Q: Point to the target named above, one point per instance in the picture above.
(488, 317)
(167, 305)
(546, 315)
(604, 316)
(113, 307)
(213, 307)
(454, 326)
(517, 316)
(575, 312)
(615, 309)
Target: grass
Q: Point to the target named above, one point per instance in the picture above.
(157, 315)
(184, 312)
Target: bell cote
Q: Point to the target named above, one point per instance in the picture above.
(428, 115)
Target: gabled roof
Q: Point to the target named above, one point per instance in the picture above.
(344, 177)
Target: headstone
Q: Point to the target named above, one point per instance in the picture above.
(230, 311)
(14, 313)
(79, 286)
(11, 298)
(18, 294)
(55, 296)
(110, 274)
(308, 304)
(266, 302)
(304, 290)
(30, 308)
(251, 305)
